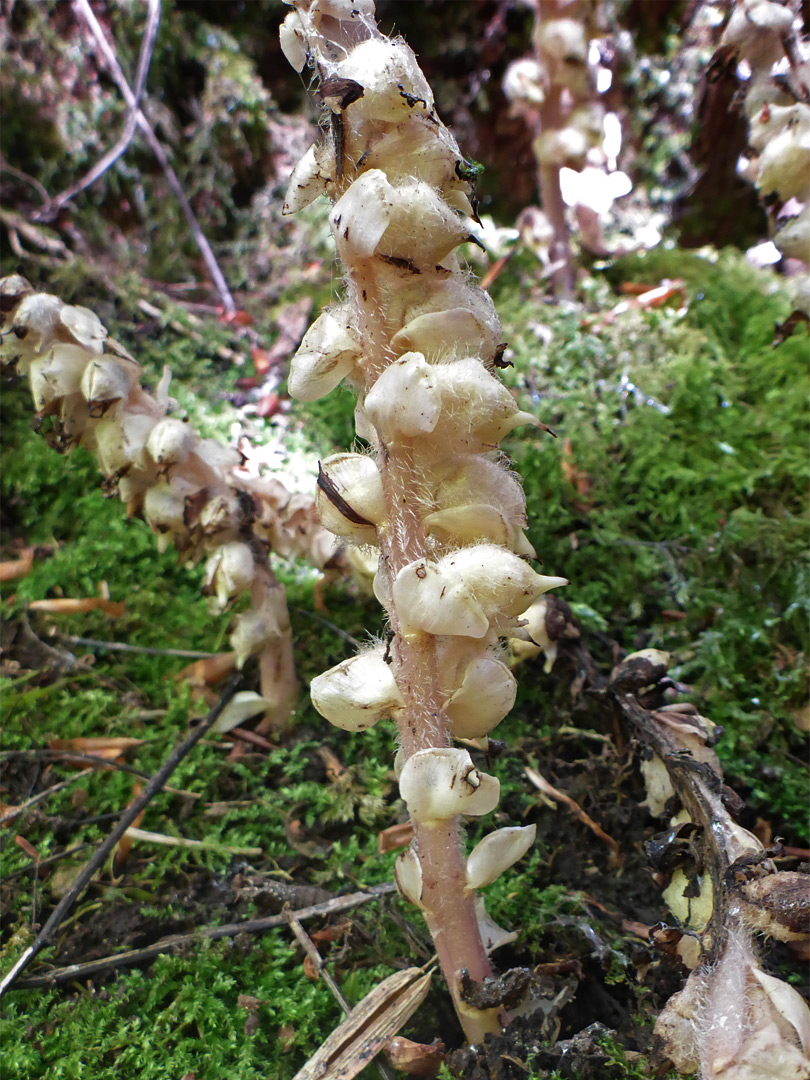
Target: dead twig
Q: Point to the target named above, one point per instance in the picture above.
(18, 226)
(121, 646)
(306, 943)
(84, 878)
(94, 759)
(251, 738)
(37, 866)
(181, 841)
(330, 625)
(52, 206)
(14, 811)
(85, 13)
(213, 933)
(543, 785)
(26, 179)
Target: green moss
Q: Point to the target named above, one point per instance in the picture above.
(689, 431)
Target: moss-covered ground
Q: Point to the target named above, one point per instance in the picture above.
(672, 499)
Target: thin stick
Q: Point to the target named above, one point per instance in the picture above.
(43, 862)
(84, 11)
(144, 57)
(95, 759)
(121, 646)
(15, 811)
(84, 878)
(543, 785)
(305, 941)
(332, 626)
(181, 841)
(212, 933)
(20, 175)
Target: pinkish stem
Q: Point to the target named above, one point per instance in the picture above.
(276, 662)
(448, 907)
(552, 202)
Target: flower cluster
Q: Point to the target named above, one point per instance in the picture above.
(87, 393)
(421, 345)
(554, 90)
(777, 104)
(561, 66)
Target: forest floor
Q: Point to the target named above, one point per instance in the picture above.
(672, 499)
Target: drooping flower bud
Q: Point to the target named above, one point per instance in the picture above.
(470, 523)
(442, 782)
(293, 41)
(309, 179)
(496, 853)
(229, 572)
(442, 335)
(164, 509)
(394, 87)
(170, 441)
(534, 626)
(107, 380)
(467, 592)
(32, 327)
(120, 440)
(57, 374)
(350, 497)
(325, 357)
(357, 693)
(425, 317)
(84, 326)
(493, 936)
(409, 222)
(408, 876)
(416, 153)
(253, 631)
(485, 696)
(405, 400)
(220, 516)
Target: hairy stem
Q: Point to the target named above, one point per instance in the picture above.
(449, 907)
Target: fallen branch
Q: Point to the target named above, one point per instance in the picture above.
(211, 933)
(85, 876)
(85, 13)
(52, 206)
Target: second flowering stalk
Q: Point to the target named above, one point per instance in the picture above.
(422, 346)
